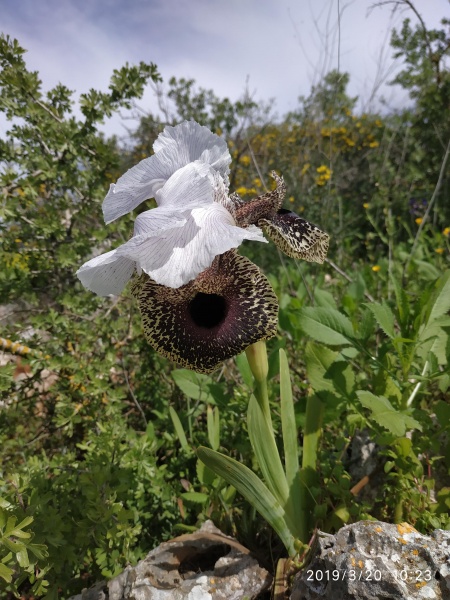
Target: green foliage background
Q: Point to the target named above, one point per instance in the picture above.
(98, 432)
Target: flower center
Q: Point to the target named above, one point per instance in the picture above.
(208, 310)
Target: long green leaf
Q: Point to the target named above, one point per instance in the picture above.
(295, 513)
(253, 490)
(288, 424)
(266, 452)
(213, 425)
(179, 430)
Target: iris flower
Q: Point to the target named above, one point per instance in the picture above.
(192, 223)
(200, 302)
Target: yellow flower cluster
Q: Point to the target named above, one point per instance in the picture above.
(446, 231)
(324, 174)
(244, 191)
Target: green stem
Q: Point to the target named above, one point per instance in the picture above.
(257, 359)
(262, 397)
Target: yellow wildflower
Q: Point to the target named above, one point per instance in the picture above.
(324, 175)
(305, 168)
(366, 205)
(419, 220)
(376, 268)
(374, 144)
(241, 191)
(446, 231)
(439, 250)
(245, 160)
(291, 198)
(257, 182)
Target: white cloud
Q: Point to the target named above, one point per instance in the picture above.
(281, 47)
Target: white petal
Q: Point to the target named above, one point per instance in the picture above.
(157, 220)
(175, 257)
(175, 148)
(107, 273)
(139, 183)
(190, 186)
(191, 141)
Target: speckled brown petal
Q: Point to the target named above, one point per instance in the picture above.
(262, 207)
(224, 310)
(296, 237)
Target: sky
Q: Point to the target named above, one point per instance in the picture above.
(277, 48)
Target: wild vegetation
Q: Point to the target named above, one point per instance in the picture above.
(98, 432)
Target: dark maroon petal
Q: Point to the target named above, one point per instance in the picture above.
(224, 310)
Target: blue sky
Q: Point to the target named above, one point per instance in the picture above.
(280, 47)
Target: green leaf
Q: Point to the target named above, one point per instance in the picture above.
(194, 385)
(13, 546)
(384, 316)
(253, 490)
(434, 338)
(402, 303)
(266, 452)
(17, 530)
(288, 423)
(22, 558)
(327, 371)
(205, 475)
(6, 573)
(213, 425)
(384, 414)
(327, 325)
(39, 550)
(195, 497)
(244, 369)
(179, 430)
(441, 303)
(324, 299)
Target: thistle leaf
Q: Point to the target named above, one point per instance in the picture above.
(384, 414)
(327, 325)
(384, 316)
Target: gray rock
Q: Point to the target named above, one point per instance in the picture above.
(371, 560)
(205, 565)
